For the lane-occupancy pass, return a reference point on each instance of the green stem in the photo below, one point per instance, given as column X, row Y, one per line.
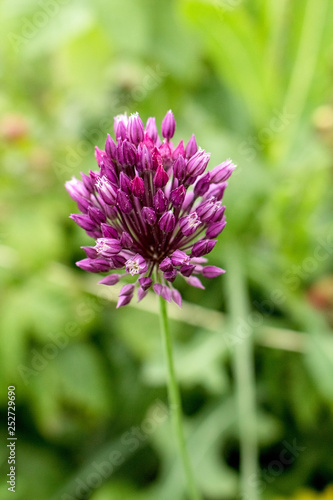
column 175, row 402
column 243, row 367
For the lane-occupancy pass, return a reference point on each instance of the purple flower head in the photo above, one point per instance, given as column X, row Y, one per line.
column 152, row 210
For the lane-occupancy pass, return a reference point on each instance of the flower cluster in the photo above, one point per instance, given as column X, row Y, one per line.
column 152, row 209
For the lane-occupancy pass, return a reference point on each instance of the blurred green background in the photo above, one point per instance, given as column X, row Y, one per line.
column 253, row 80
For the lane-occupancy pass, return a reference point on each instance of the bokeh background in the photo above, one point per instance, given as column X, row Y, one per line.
column 253, row 80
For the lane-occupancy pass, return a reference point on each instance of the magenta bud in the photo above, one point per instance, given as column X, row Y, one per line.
column 125, row 183
column 179, row 258
column 135, row 129
column 96, row 215
column 99, row 156
column 87, row 182
column 202, row 247
column 179, row 151
column 187, row 269
column 197, row 163
column 120, row 126
column 219, row 214
column 212, row 271
column 207, row 209
column 162, row 290
column 94, row 265
column 110, row 148
column 179, row 168
column 215, row 229
column 109, row 171
column 156, row 158
column 151, row 129
column 167, row 222
column 84, row 221
column 109, row 231
column 149, row 216
column 145, row 283
column 126, row 153
column 160, row 201
column 136, row 265
column 191, row 147
column 166, row 265
column 107, row 247
column 177, row 196
column 194, row 281
column 189, row 224
column 138, row 187
column 124, row 202
column 77, row 190
column 168, row 125
column 144, row 158
column 110, row 280
column 170, row 275
column 222, row 172
column 125, row 295
column 216, row 190
column 118, row 261
column 202, row 185
column 141, row 293
column 176, row 297
column 126, row 240
column 107, row 190
column 161, row 177
column 90, row 252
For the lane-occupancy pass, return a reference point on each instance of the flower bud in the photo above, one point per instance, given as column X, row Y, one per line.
column 145, row 283
column 123, row 201
column 151, row 129
column 161, row 177
column 110, row 148
column 166, row 265
column 179, row 168
column 168, row 125
column 222, row 172
column 202, row 185
column 160, row 202
column 138, row 187
column 191, row 147
column 94, row 265
column 149, row 216
column 135, row 129
column 179, row 258
column 167, row 222
column 144, row 158
column 110, row 280
column 126, row 240
column 177, row 196
column 107, row 190
column 215, row 229
column 212, row 271
column 125, row 183
column 189, row 224
column 202, row 247
column 197, row 163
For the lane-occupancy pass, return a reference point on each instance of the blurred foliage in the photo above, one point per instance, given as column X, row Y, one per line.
column 253, row 80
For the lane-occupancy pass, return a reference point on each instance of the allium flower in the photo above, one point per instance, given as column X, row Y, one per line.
column 151, row 208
